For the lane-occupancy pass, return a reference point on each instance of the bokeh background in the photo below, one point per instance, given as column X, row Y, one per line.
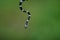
column 44, row 23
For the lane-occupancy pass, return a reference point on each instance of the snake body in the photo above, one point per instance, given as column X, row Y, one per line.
column 25, row 11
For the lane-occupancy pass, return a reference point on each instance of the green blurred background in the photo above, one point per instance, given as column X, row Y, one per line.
column 44, row 23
